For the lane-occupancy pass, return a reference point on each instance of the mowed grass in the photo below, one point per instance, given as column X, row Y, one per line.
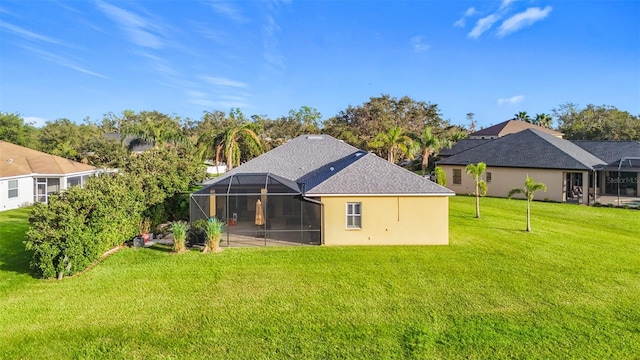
column 570, row 289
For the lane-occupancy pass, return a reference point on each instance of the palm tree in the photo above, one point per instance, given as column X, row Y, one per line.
column 543, row 120
column 393, row 141
column 476, row 170
column 230, row 143
column 530, row 187
column 523, row 116
column 156, row 128
column 429, row 144
column 227, row 143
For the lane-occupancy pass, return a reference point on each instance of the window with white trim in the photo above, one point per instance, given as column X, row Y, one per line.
column 354, row 215
column 457, row 176
column 13, row 189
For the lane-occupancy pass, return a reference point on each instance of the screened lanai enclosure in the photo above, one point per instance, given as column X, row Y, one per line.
column 258, row 210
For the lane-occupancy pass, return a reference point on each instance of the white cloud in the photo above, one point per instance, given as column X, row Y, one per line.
column 228, row 10
column 505, row 3
column 523, row 19
column 221, row 81
column 483, row 25
column 418, row 44
column 512, row 100
column 462, row 21
column 35, row 121
column 61, row 60
column 139, row 30
column 26, row 34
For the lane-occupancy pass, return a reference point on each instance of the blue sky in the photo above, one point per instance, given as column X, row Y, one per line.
column 75, row 59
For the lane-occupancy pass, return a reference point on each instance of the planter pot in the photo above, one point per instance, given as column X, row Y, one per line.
column 146, row 237
column 138, row 241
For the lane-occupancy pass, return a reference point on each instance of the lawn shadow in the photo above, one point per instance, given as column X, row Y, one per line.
column 13, row 255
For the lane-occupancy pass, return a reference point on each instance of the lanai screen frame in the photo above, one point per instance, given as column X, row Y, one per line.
column 236, row 193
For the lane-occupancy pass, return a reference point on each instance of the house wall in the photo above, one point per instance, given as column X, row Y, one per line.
column 388, row 220
column 505, row 179
column 25, row 193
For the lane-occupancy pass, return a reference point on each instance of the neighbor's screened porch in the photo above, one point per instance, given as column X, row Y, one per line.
column 258, row 210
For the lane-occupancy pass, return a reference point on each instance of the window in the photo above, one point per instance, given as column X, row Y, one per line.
column 457, row 176
column 13, row 189
column 354, row 215
column 74, row 181
column 488, row 177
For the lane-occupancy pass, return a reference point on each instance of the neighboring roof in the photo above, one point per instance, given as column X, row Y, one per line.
column 17, row 160
column 131, row 142
column 529, row 148
column 323, row 165
column 610, row 151
column 462, row 145
column 511, row 127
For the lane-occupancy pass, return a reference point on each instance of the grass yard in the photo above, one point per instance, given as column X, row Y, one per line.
column 570, row 289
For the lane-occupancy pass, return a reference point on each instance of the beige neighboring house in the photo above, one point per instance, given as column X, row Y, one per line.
column 28, row 176
column 573, row 171
column 510, row 127
column 316, row 189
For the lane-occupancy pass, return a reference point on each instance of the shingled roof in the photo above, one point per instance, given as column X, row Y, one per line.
column 16, row 160
column 462, row 145
column 530, row 148
column 322, row 166
column 511, row 127
column 610, row 151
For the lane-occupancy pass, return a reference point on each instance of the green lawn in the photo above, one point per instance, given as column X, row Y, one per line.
column 570, row 289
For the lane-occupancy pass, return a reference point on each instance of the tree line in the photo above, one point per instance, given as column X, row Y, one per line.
column 394, row 128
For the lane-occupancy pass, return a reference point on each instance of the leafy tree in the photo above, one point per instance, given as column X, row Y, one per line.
column 428, row 143
column 298, row 122
column 522, row 116
column 154, row 127
column 359, row 125
column 529, row 189
column 476, row 170
column 596, row 123
column 13, row 129
column 543, row 120
column 392, row 142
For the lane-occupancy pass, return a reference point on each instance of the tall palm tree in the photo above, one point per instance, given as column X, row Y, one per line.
column 543, row 120
column 476, row 170
column 232, row 137
column 530, row 187
column 393, row 141
column 428, row 143
column 523, row 116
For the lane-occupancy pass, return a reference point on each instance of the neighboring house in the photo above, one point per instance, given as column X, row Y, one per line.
column 510, row 127
column 28, row 176
column 317, row 189
column 573, row 171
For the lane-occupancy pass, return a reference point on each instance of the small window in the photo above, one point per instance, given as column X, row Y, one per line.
column 457, row 176
column 74, row 181
column 13, row 189
column 488, row 177
column 354, row 215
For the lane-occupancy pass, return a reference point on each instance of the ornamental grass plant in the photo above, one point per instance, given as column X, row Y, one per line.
column 179, row 230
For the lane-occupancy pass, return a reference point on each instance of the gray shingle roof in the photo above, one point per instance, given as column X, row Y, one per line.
column 324, row 165
column 610, row 151
column 462, row 145
column 529, row 148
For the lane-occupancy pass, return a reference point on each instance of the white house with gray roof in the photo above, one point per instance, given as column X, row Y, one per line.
column 318, row 189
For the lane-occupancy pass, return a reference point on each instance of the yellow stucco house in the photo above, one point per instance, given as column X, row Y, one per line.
column 316, row 189
column 574, row 171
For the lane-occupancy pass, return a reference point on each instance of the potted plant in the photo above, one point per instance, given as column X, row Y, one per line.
column 145, row 228
column 213, row 233
column 179, row 230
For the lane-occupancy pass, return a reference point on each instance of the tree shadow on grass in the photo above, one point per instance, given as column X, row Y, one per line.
column 13, row 255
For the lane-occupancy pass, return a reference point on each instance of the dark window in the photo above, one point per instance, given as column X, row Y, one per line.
column 457, row 176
